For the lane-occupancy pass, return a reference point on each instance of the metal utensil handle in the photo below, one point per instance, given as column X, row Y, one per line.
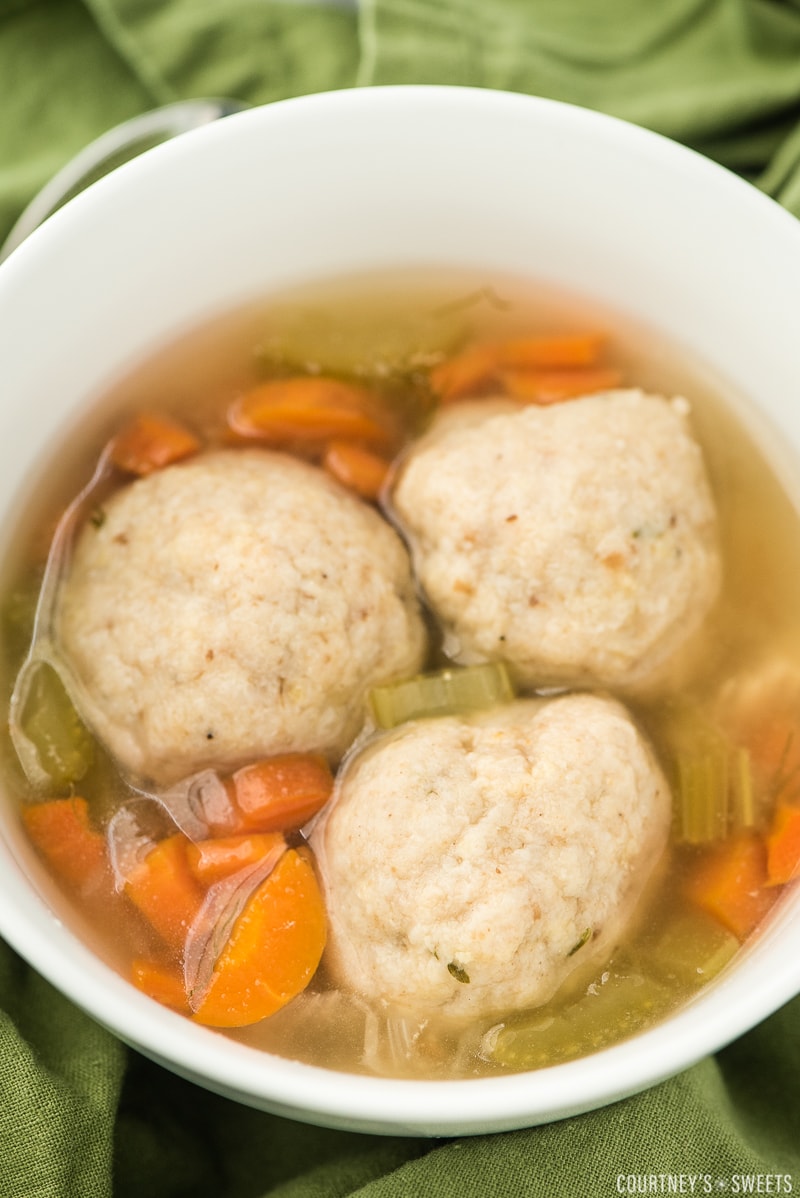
column 112, row 149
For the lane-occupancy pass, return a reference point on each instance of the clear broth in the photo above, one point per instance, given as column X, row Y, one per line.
column 756, row 620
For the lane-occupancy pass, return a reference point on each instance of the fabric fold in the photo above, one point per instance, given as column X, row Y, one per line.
column 60, row 1076
column 709, row 73
column 253, row 50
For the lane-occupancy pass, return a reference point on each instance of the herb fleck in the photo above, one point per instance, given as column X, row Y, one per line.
column 458, row 972
column 584, row 938
column 97, row 517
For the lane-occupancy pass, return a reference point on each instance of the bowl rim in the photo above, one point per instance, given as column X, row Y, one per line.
column 307, row 1092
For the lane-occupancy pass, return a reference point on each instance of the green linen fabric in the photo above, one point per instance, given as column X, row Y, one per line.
column 83, row 1116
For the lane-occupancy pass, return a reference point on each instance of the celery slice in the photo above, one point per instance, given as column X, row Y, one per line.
column 635, row 991
column 743, row 799
column 622, row 1003
column 690, row 949
column 18, row 617
column 359, row 339
column 48, row 721
column 712, row 777
column 446, row 692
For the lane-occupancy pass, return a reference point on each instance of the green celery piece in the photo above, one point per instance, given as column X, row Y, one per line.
column 534, row 1044
column 64, row 748
column 359, row 340
column 691, row 949
column 745, row 810
column 446, row 692
column 18, row 613
column 623, row 1002
column 712, row 778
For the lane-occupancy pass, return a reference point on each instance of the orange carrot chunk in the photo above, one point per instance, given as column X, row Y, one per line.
column 165, row 890
column 149, row 443
column 564, row 350
column 281, row 793
column 211, row 861
column 473, row 369
column 311, row 410
column 730, row 883
column 783, row 846
column 466, row 373
column 164, row 985
column 61, row 831
column 273, row 950
column 555, row 386
column 356, row 468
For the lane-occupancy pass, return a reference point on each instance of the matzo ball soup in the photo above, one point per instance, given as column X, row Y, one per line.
column 400, row 678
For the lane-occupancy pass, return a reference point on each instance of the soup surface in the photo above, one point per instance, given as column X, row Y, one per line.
column 188, row 903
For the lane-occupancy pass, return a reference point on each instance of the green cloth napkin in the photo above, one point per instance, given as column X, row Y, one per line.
column 81, row 1116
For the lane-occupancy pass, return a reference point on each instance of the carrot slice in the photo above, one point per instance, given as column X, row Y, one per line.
column 212, row 860
column 466, row 373
column 356, row 468
column 730, row 883
column 273, row 950
column 554, row 386
column 783, row 846
column 281, row 793
column 564, row 350
column 150, row 442
column 164, row 985
column 165, row 890
column 61, row 831
column 474, row 368
column 311, row 410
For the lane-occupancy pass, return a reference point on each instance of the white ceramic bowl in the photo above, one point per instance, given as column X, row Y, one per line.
column 326, row 185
